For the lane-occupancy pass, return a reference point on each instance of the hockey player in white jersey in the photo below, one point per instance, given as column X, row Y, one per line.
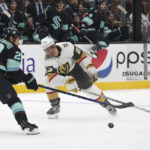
column 68, row 65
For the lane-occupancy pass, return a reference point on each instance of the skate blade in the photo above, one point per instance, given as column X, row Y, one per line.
column 33, row 132
column 54, row 116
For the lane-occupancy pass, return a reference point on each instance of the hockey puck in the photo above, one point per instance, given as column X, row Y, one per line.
column 110, row 125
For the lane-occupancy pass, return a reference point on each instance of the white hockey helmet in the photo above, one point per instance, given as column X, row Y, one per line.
column 47, row 42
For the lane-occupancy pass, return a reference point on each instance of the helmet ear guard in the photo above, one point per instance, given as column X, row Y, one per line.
column 47, row 42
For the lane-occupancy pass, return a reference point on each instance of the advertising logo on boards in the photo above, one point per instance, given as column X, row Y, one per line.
column 103, row 63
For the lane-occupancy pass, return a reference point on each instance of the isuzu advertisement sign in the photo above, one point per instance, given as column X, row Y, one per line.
column 118, row 62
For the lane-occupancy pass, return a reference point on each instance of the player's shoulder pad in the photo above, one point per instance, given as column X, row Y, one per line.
column 9, row 45
column 67, row 49
column 51, row 62
column 77, row 53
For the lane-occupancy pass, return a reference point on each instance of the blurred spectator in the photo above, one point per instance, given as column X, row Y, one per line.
column 129, row 7
column 89, row 15
column 56, row 20
column 115, row 10
column 29, row 30
column 83, row 10
column 101, row 11
column 145, row 7
column 36, row 9
column 91, row 24
column 71, row 7
column 113, row 30
column 4, row 20
column 26, row 5
column 17, row 17
column 89, row 3
column 73, row 35
column 20, row 5
column 144, row 20
column 49, row 2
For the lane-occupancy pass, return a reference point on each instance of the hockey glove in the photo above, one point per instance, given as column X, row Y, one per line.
column 30, row 82
column 71, row 84
column 92, row 72
column 83, row 33
column 15, row 77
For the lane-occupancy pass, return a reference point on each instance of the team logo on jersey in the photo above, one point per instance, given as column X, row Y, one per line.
column 64, row 69
column 65, row 45
column 103, row 63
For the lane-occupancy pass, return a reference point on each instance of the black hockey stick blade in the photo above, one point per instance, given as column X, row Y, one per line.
column 124, row 105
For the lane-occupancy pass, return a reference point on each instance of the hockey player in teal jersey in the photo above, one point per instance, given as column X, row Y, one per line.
column 10, row 73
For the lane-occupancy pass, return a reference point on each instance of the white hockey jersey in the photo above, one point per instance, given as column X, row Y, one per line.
column 58, row 67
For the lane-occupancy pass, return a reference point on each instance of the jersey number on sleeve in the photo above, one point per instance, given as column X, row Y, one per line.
column 17, row 56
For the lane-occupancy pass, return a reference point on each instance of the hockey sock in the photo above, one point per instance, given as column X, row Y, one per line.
column 53, row 98
column 95, row 93
column 19, row 112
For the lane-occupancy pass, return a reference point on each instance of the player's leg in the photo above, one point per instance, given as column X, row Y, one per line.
column 93, row 91
column 85, row 84
column 55, row 104
column 9, row 96
column 53, row 97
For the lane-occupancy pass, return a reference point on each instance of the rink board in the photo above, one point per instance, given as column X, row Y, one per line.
column 120, row 66
column 104, row 86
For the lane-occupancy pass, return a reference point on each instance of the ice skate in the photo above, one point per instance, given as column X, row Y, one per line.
column 53, row 112
column 28, row 128
column 111, row 109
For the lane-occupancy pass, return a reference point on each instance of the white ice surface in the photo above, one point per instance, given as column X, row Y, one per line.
column 82, row 125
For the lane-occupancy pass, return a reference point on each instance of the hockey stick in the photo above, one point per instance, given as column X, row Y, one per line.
column 123, row 105
column 129, row 104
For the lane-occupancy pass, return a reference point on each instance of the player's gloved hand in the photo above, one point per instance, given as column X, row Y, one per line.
column 71, row 84
column 91, row 70
column 30, row 82
column 83, row 33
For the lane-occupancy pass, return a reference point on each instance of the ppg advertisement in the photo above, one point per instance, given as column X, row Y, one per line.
column 118, row 62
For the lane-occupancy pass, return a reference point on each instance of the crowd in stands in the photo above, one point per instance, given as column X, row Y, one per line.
column 102, row 21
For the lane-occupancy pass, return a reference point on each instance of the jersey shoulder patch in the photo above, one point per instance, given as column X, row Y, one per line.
column 77, row 53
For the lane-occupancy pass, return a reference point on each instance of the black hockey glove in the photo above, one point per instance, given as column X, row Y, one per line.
column 83, row 33
column 15, row 77
column 30, row 82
